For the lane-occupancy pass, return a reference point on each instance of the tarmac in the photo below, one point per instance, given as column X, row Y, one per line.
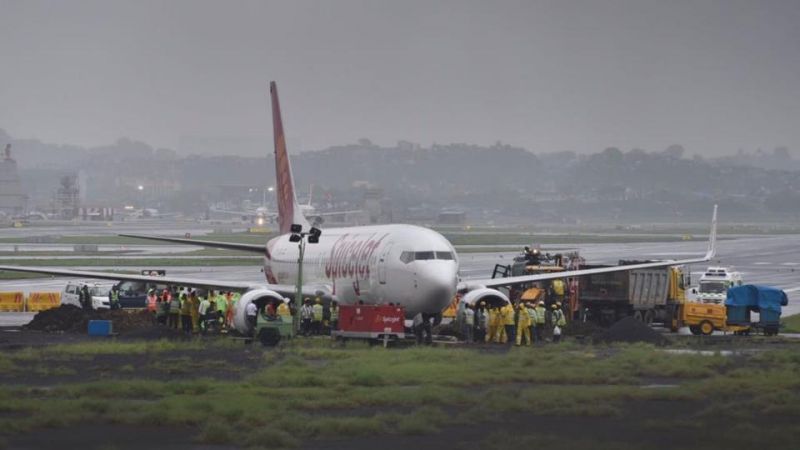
column 769, row 260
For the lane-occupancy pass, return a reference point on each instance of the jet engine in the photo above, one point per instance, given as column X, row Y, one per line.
column 258, row 296
column 492, row 297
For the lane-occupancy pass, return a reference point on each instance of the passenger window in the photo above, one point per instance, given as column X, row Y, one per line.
column 424, row 255
column 444, row 255
column 407, row 257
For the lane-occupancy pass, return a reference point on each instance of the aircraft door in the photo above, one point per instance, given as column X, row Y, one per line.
column 382, row 263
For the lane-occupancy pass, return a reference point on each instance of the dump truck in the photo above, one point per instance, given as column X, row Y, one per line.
column 649, row 295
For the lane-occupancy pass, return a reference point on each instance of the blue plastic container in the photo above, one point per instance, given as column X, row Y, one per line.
column 769, row 317
column 737, row 315
column 100, row 328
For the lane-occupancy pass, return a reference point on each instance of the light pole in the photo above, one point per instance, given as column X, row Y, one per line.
column 299, row 236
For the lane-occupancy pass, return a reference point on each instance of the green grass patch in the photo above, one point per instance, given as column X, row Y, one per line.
column 310, row 389
column 791, row 324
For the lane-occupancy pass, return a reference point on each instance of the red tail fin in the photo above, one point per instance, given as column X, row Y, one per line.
column 288, row 211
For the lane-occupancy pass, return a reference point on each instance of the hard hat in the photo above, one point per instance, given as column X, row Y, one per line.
column 536, row 251
column 554, row 306
column 558, row 304
column 286, row 300
column 541, row 303
column 483, row 303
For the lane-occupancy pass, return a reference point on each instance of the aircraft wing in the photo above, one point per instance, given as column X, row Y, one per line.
column 511, row 281
column 335, row 213
column 252, row 248
column 244, row 213
column 283, row 289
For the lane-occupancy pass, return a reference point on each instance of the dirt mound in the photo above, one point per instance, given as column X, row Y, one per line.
column 631, row 330
column 70, row 318
column 588, row 330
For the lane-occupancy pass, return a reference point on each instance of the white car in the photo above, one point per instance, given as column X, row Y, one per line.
column 99, row 292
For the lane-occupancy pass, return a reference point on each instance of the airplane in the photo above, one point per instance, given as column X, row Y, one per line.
column 411, row 266
column 262, row 215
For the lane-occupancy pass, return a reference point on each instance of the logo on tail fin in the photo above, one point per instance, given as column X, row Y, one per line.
column 288, row 210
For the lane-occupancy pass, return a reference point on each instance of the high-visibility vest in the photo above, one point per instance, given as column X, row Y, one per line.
column 508, row 315
column 532, row 314
column 175, row 306
column 558, row 318
column 524, row 320
column 483, row 319
column 283, row 310
column 558, row 287
column 469, row 317
column 317, row 308
column 540, row 315
column 334, row 313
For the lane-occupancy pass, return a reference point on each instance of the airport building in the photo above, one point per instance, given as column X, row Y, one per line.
column 12, row 199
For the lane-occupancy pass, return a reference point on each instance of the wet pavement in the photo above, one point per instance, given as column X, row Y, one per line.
column 768, row 260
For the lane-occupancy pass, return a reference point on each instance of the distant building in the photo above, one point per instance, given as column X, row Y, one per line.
column 12, row 199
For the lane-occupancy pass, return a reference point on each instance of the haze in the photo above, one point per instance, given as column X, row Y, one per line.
column 713, row 76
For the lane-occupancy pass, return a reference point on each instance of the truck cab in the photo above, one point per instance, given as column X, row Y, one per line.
column 715, row 282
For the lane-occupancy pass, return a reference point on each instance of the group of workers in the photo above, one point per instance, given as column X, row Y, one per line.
column 525, row 323
column 183, row 308
column 315, row 317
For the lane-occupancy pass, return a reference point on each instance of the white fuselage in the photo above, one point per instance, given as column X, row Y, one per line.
column 403, row 264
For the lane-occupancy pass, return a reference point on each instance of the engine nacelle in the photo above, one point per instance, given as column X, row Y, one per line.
column 492, row 297
column 258, row 296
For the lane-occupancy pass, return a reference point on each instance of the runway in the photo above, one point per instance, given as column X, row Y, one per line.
column 768, row 260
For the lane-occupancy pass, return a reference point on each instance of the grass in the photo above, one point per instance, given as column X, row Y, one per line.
column 791, row 324
column 307, row 390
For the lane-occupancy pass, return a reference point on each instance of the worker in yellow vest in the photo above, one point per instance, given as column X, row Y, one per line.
column 195, row 312
column 559, row 289
column 334, row 324
column 559, row 322
column 500, row 329
column 491, row 324
column 523, row 325
column 538, row 322
column 316, row 319
column 284, row 312
column 509, row 324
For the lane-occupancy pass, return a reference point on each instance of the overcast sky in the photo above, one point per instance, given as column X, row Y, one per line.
column 714, row 76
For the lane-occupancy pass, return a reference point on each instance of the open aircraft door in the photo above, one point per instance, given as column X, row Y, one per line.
column 382, row 262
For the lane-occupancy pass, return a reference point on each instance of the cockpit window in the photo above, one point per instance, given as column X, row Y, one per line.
column 407, row 257
column 424, row 255
column 444, row 255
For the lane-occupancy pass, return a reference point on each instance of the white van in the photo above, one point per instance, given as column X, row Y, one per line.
column 99, row 292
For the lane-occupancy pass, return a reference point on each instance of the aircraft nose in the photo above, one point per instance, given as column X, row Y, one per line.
column 439, row 286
